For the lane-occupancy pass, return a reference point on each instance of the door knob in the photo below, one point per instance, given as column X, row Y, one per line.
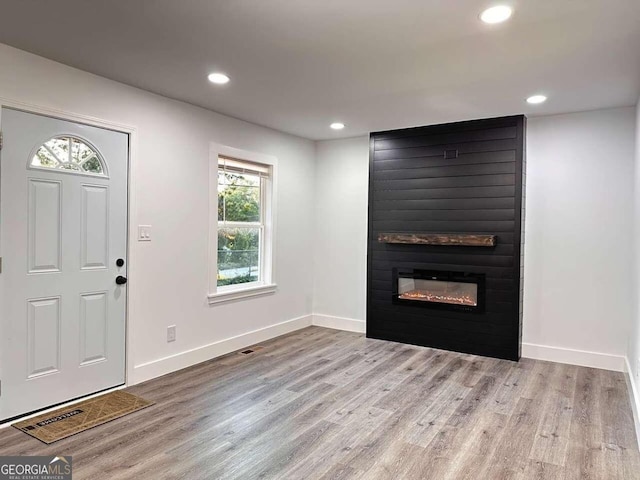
column 120, row 280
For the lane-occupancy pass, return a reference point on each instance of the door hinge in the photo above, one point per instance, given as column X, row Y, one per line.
column 0, row 140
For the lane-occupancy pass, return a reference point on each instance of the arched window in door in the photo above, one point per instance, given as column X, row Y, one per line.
column 70, row 154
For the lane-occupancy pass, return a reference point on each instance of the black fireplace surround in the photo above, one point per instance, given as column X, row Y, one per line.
column 430, row 188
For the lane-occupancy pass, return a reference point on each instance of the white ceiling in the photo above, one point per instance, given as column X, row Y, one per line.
column 298, row 65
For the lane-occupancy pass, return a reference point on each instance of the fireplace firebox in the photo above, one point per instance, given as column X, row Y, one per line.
column 443, row 290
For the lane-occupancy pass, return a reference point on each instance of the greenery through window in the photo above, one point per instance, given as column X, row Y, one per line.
column 70, row 154
column 240, row 221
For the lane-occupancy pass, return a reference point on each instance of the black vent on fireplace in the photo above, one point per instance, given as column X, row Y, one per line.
column 443, row 182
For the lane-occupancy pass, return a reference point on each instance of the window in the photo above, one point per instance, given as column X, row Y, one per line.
column 243, row 226
column 69, row 154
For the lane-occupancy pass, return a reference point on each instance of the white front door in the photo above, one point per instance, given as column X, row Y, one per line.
column 63, row 242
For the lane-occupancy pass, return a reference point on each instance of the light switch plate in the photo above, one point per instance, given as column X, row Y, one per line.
column 144, row 233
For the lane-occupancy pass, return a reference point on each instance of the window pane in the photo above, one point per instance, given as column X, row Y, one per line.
column 43, row 158
column 60, row 148
column 233, row 178
column 238, row 197
column 70, row 166
column 92, row 165
column 68, row 153
column 238, row 255
column 80, row 152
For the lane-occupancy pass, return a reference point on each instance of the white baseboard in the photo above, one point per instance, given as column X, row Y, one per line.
column 156, row 368
column 529, row 350
column 574, row 357
column 634, row 398
column 339, row 323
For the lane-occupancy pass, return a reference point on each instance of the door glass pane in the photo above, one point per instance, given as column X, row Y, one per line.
column 44, row 158
column 92, row 165
column 70, row 154
column 60, row 148
column 238, row 255
column 70, row 166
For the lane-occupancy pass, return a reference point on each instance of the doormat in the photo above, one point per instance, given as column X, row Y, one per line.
column 64, row 422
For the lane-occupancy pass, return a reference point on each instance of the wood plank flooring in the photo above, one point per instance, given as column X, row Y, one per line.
column 325, row 404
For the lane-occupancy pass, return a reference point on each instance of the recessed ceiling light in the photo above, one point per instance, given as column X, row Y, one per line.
column 218, row 78
column 535, row 99
column 337, row 126
column 496, row 14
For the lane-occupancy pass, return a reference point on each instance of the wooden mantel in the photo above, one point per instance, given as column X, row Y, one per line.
column 454, row 239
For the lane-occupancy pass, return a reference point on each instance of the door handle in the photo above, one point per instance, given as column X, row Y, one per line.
column 120, row 280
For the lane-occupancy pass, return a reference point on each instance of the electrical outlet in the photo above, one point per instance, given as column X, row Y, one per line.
column 171, row 333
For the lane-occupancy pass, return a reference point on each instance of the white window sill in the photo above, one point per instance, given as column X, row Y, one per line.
column 240, row 293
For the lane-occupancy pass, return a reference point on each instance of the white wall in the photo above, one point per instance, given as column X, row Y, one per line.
column 170, row 191
column 578, row 231
column 578, row 234
column 633, row 352
column 340, row 253
column 634, row 337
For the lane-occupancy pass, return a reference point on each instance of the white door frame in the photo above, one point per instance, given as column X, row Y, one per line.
column 133, row 139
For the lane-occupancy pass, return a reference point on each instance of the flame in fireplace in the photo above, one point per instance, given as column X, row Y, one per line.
column 426, row 296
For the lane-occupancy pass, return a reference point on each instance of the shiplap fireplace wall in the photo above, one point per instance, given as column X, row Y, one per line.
column 446, row 216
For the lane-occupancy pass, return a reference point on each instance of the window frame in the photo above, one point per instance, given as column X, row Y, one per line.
column 266, row 285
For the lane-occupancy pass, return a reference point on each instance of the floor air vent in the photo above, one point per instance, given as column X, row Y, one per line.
column 251, row 350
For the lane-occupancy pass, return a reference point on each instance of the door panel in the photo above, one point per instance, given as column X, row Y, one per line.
column 63, row 225
column 93, row 327
column 44, row 226
column 43, row 341
column 95, row 227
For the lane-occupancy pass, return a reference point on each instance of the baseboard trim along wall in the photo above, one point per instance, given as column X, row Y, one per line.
column 156, row 368
column 162, row 366
column 529, row 350
column 582, row 358
column 339, row 323
column 634, row 398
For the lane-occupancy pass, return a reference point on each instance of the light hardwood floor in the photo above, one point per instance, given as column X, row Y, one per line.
column 325, row 404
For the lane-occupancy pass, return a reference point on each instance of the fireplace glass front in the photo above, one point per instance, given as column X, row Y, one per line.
column 439, row 291
column 446, row 290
